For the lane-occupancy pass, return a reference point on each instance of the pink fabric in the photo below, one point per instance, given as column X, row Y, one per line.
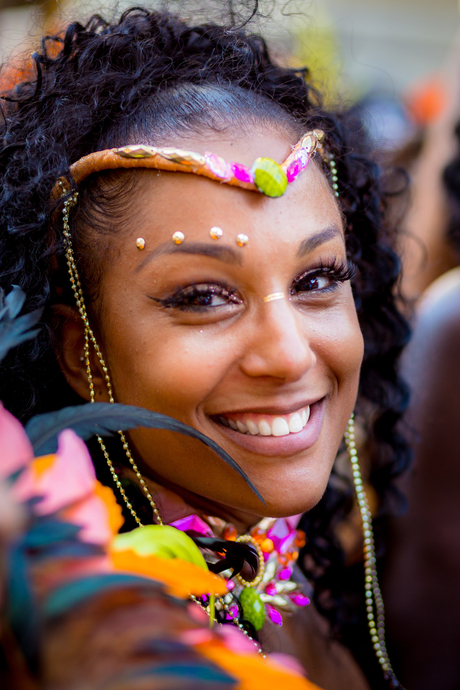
column 15, row 448
column 235, row 640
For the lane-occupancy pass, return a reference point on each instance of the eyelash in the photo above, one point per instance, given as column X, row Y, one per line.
column 337, row 271
column 193, row 292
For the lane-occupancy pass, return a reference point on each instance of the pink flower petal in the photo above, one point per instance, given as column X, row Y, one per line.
column 71, row 477
column 25, row 487
column 15, row 448
column 91, row 514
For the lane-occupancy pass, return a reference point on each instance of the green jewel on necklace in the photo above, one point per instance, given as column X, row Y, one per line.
column 253, row 607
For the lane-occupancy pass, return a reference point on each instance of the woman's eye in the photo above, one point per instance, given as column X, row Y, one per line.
column 201, row 297
column 324, row 279
column 314, row 283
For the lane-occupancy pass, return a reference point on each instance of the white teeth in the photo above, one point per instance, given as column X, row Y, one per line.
column 280, row 427
column 264, row 428
column 305, row 415
column 274, row 426
column 295, row 423
column 252, row 427
column 241, row 427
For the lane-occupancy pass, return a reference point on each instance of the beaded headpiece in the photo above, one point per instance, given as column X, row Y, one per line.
column 265, row 175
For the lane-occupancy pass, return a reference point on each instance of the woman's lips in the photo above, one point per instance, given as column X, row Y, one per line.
column 275, row 434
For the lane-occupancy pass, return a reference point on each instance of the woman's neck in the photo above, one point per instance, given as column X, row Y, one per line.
column 175, row 503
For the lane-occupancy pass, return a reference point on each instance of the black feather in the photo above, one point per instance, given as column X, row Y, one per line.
column 106, row 419
column 236, row 554
column 15, row 330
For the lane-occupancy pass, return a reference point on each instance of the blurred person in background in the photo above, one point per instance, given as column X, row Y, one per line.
column 423, row 570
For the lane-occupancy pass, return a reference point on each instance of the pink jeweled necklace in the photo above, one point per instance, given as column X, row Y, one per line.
column 272, row 591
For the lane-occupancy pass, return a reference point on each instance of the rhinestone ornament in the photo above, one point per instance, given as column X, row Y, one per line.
column 253, row 607
column 140, row 243
column 269, row 177
column 178, row 237
column 242, row 240
column 218, row 166
column 216, row 233
column 242, row 173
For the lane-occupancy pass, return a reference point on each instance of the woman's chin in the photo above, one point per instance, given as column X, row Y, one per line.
column 274, row 507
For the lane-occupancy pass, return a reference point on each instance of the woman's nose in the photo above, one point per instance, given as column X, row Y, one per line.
column 279, row 346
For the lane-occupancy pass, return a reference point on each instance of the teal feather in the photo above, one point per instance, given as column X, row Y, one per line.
column 106, row 419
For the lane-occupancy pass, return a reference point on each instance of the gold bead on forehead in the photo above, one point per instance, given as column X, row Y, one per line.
column 242, row 240
column 140, row 243
column 216, row 233
column 178, row 237
column 274, row 296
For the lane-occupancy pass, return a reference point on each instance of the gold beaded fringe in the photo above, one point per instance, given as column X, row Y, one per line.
column 90, row 338
column 374, row 601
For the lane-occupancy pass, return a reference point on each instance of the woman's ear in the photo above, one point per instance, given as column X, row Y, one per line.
column 70, row 334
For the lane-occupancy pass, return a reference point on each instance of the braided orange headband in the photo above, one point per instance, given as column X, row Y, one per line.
column 265, row 176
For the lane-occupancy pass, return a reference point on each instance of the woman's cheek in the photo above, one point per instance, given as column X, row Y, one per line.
column 338, row 341
column 172, row 373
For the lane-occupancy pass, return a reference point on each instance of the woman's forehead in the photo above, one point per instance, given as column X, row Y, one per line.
column 168, row 206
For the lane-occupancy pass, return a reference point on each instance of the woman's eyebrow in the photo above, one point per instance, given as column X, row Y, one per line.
column 222, row 253
column 311, row 243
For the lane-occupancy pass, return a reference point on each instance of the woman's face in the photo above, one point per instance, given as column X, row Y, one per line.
column 187, row 330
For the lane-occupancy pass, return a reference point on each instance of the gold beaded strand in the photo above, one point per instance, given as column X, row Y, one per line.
column 374, row 602
column 90, row 338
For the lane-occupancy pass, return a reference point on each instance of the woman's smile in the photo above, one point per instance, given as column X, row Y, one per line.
column 275, row 434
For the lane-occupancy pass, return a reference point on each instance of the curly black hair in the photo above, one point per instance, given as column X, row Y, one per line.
column 143, row 76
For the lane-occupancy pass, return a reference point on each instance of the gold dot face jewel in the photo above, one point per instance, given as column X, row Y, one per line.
column 178, row 237
column 216, row 233
column 140, row 243
column 274, row 296
column 242, row 240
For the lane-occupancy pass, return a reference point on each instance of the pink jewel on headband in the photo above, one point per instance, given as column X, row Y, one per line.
column 299, row 163
column 293, row 170
column 218, row 166
column 242, row 173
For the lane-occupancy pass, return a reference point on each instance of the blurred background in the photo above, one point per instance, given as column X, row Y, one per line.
column 382, row 50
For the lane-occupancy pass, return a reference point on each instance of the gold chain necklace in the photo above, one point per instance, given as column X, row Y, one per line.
column 374, row 601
